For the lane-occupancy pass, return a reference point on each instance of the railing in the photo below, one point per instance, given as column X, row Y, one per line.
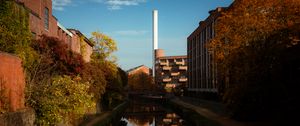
column 166, row 68
column 170, row 85
column 175, row 74
column 179, row 63
column 167, row 79
column 163, row 63
column 182, row 79
column 182, row 67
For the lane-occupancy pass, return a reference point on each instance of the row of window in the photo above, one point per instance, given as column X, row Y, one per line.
column 201, row 72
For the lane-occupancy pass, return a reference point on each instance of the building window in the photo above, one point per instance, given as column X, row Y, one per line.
column 46, row 20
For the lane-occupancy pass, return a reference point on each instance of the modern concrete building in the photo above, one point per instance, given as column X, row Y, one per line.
column 171, row 71
column 202, row 70
column 42, row 22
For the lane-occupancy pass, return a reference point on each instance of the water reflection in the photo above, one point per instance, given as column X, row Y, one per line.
column 145, row 113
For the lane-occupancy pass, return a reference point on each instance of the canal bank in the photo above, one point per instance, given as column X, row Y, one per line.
column 205, row 114
column 107, row 117
column 190, row 112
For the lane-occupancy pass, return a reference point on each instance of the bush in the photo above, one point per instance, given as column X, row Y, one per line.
column 55, row 54
column 61, row 100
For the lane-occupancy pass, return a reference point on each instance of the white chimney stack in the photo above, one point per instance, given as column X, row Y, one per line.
column 155, row 37
column 155, row 29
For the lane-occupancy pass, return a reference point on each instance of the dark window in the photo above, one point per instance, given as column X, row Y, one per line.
column 46, row 20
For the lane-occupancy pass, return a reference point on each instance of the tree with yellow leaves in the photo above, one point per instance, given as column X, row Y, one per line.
column 104, row 45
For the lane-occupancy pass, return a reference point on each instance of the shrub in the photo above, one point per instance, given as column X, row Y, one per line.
column 61, row 100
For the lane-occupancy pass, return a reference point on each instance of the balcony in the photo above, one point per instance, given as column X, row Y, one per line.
column 179, row 63
column 175, row 73
column 182, row 67
column 170, row 85
column 167, row 79
column 166, row 68
column 182, row 79
column 163, row 63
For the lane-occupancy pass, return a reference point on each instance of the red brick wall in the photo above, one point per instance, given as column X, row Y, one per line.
column 142, row 69
column 88, row 53
column 37, row 16
column 75, row 45
column 11, row 73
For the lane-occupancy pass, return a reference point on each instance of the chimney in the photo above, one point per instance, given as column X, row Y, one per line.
column 155, row 37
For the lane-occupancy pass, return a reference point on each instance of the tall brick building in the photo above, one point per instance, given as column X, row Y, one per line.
column 202, row 70
column 42, row 22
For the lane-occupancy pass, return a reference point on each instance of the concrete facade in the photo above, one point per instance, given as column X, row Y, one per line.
column 202, row 70
column 23, row 117
column 171, row 71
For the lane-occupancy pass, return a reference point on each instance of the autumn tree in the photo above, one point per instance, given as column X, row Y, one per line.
column 251, row 38
column 104, row 45
column 105, row 61
column 140, row 82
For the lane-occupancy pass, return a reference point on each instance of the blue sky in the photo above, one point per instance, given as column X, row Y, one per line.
column 129, row 23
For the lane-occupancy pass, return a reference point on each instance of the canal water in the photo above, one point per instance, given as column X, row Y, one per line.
column 149, row 112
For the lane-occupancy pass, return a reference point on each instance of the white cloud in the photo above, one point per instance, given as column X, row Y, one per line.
column 118, row 4
column 60, row 4
column 131, row 32
column 114, row 7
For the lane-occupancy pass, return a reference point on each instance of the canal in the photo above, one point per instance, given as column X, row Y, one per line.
column 149, row 112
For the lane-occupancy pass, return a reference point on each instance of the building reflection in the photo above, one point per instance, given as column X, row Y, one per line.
column 150, row 114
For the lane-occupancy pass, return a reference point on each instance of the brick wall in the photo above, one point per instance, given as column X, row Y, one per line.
column 75, row 45
column 88, row 51
column 12, row 76
column 37, row 16
column 140, row 69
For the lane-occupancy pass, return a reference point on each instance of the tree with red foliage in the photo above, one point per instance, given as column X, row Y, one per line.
column 56, row 55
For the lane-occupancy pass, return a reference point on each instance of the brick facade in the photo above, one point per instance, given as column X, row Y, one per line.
column 81, row 45
column 37, row 17
column 40, row 11
column 12, row 81
column 139, row 69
